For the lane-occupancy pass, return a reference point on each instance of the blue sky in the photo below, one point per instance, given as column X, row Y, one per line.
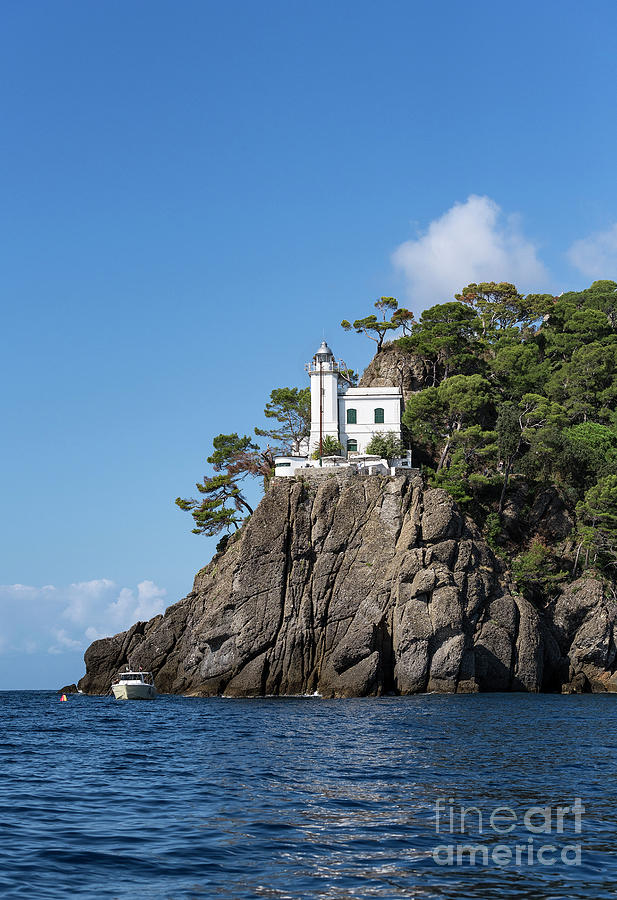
column 194, row 193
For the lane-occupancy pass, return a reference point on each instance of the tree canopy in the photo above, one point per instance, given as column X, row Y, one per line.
column 291, row 407
column 223, row 504
column 329, row 447
column 525, row 387
column 377, row 327
column 386, row 444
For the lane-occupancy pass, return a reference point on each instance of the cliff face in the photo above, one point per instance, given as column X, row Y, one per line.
column 357, row 585
column 393, row 366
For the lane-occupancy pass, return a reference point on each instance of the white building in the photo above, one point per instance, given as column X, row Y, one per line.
column 350, row 415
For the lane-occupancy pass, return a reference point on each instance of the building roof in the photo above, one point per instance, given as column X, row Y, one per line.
column 356, row 393
column 324, row 350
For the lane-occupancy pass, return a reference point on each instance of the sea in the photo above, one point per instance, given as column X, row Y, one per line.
column 477, row 796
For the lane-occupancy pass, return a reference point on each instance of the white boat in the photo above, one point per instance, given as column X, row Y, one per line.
column 133, row 686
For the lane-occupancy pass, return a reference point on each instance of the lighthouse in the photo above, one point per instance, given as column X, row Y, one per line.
column 347, row 414
column 324, row 376
column 350, row 415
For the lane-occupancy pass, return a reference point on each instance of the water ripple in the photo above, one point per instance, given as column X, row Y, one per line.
column 297, row 798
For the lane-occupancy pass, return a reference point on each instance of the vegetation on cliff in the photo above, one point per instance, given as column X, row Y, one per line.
column 377, row 328
column 519, row 395
column 223, row 504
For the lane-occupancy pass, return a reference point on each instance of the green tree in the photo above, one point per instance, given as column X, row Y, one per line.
column 329, row 447
column 538, row 307
column 597, row 523
column 404, row 319
column 424, row 417
column 349, row 376
column 603, row 295
column 377, row 328
column 543, row 422
column 590, row 452
column 517, row 367
column 462, row 397
column 227, row 449
column 436, row 415
column 241, row 457
column 454, row 479
column 386, row 444
column 291, row 407
column 535, row 423
column 445, row 337
column 223, row 505
column 587, row 384
column 509, row 442
column 537, row 570
column 478, row 445
column 499, row 306
column 570, row 326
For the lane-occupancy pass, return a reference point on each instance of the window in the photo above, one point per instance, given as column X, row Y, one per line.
column 352, row 446
column 282, row 465
column 351, row 417
column 379, row 416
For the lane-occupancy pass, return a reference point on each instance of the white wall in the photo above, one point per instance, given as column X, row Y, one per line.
column 329, row 380
column 337, row 398
column 288, row 466
column 365, row 401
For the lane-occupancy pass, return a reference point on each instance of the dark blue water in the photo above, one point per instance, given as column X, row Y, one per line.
column 302, row 798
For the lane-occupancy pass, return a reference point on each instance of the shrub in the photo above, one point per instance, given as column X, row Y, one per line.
column 492, row 530
column 454, row 479
column 536, row 570
column 329, row 447
column 386, row 444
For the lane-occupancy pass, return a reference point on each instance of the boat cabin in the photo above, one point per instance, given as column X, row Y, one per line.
column 133, row 677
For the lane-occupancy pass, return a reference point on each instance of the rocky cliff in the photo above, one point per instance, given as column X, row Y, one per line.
column 395, row 366
column 360, row 585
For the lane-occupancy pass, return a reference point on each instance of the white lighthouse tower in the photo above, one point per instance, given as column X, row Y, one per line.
column 349, row 415
column 324, row 375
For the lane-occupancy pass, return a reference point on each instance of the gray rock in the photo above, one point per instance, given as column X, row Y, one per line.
column 549, row 517
column 393, row 366
column 351, row 585
column 583, row 622
column 440, row 517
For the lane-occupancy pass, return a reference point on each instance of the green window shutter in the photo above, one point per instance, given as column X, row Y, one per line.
column 352, row 446
column 351, row 417
column 379, row 416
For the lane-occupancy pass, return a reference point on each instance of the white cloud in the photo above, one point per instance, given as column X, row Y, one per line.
column 63, row 641
column 103, row 609
column 473, row 241
column 67, row 619
column 596, row 255
column 84, row 597
column 142, row 606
